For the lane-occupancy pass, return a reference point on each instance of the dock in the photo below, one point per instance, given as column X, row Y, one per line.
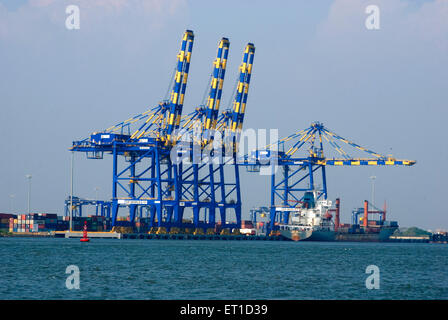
column 201, row 237
column 409, row 239
column 93, row 235
column 31, row 234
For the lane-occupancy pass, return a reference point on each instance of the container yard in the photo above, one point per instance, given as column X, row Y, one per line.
column 98, row 227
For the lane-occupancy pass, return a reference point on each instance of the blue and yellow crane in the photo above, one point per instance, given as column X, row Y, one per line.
column 174, row 114
column 295, row 174
column 215, row 94
column 210, row 180
column 165, row 162
column 145, row 149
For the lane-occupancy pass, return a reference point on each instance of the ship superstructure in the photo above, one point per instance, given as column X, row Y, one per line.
column 310, row 220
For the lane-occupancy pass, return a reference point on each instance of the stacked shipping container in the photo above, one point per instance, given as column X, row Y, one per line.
column 46, row 222
column 247, row 227
column 34, row 222
column 94, row 223
column 5, row 221
column 261, row 227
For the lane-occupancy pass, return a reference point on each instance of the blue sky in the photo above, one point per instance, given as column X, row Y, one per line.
column 315, row 61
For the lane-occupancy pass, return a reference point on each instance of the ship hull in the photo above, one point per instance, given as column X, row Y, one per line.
column 322, row 236
column 308, row 235
column 381, row 236
column 300, row 235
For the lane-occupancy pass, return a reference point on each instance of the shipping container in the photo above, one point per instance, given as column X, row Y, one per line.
column 7, row 215
column 247, row 231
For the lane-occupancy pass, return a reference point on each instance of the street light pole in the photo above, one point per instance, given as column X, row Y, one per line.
column 11, row 197
column 96, row 200
column 71, row 191
column 373, row 188
column 28, row 176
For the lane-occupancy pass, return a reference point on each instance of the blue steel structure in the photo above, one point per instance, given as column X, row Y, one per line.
column 254, row 212
column 196, row 181
column 293, row 176
column 166, row 163
column 159, row 157
column 209, row 180
column 381, row 214
column 102, row 208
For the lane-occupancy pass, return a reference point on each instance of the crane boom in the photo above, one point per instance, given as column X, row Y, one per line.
column 316, row 151
column 214, row 98
column 239, row 103
column 180, row 84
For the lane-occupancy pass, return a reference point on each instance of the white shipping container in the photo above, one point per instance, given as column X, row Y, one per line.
column 247, row 231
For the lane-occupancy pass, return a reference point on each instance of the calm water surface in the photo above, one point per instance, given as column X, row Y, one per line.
column 33, row 268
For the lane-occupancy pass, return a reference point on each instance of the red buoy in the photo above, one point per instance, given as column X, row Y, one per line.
column 84, row 234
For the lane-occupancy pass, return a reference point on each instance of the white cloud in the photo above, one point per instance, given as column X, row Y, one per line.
column 430, row 23
column 48, row 16
column 41, row 3
column 402, row 22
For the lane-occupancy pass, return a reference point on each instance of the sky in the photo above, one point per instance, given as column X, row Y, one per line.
column 384, row 89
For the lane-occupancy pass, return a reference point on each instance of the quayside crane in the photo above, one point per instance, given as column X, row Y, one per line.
column 145, row 149
column 195, row 186
column 210, row 180
column 164, row 162
column 299, row 172
column 146, row 178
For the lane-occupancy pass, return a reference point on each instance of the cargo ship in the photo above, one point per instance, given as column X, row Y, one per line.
column 311, row 220
column 364, row 228
column 377, row 233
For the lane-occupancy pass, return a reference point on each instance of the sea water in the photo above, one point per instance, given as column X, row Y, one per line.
column 39, row 268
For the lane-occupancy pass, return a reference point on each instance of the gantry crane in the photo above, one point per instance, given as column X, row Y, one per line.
column 202, row 181
column 151, row 178
column 102, row 208
column 298, row 174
